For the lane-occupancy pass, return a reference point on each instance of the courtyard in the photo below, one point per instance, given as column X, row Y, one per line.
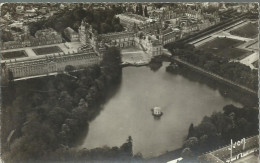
column 47, row 50
column 134, row 56
column 249, row 30
column 224, row 47
column 13, row 54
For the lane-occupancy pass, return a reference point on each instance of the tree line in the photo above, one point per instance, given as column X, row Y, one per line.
column 218, row 129
column 234, row 71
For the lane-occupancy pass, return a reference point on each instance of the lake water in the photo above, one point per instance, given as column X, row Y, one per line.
column 128, row 112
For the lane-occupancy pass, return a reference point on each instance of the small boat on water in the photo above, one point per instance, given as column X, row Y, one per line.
column 157, row 111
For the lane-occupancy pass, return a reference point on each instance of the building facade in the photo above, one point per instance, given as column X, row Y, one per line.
column 146, row 42
column 170, row 35
column 51, row 64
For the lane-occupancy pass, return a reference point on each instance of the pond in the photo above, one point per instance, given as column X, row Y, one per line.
column 128, row 112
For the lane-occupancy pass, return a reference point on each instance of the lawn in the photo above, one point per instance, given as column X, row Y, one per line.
column 47, row 50
column 253, row 46
column 249, row 30
column 255, row 64
column 224, row 47
column 13, row 54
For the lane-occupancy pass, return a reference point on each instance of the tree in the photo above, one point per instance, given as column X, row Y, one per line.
column 127, row 148
column 16, row 29
column 81, row 114
column 203, row 140
column 137, row 9
column 105, row 28
column 206, row 128
column 57, row 117
column 158, row 5
column 187, row 153
column 69, row 68
column 6, row 36
column 10, row 75
column 146, row 12
column 191, row 130
column 65, row 100
column 191, row 143
column 140, row 9
column 112, row 57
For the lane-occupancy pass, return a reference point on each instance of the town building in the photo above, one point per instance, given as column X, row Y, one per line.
column 7, row 16
column 42, row 37
column 193, row 13
column 19, row 9
column 30, row 13
column 194, row 21
column 71, row 34
column 43, row 10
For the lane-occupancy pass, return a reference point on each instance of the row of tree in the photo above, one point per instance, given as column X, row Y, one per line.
column 140, row 11
column 234, row 71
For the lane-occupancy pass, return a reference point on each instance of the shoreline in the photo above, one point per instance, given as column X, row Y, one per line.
column 219, row 84
column 165, row 157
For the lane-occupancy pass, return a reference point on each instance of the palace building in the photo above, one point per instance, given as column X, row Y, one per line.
column 170, row 35
column 148, row 43
column 50, row 63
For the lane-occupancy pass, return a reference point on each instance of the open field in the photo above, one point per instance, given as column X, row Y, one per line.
column 13, row 54
column 249, row 30
column 47, row 50
column 224, row 47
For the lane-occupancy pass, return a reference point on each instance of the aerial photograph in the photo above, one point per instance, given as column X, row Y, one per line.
column 129, row 82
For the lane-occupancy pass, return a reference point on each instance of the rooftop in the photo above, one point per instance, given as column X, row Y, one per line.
column 70, row 30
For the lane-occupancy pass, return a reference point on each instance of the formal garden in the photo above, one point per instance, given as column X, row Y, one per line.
column 47, row 50
column 13, row 54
